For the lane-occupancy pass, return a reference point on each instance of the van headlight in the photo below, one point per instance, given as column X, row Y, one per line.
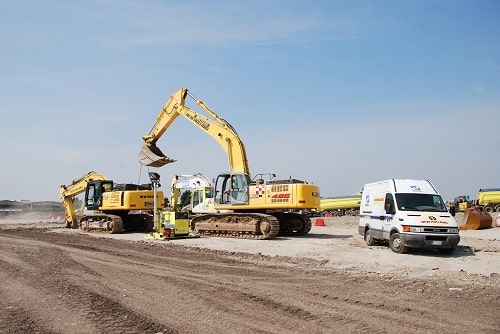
column 453, row 230
column 412, row 229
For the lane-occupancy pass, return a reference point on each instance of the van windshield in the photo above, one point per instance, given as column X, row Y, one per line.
column 420, row 202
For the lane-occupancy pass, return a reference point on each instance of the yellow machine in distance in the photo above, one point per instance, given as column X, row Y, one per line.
column 488, row 199
column 340, row 205
column 110, row 207
column 260, row 209
column 174, row 220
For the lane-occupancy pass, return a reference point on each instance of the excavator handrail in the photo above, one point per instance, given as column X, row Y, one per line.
column 213, row 125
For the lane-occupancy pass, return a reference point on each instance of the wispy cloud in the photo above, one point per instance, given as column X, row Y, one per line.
column 479, row 88
column 206, row 25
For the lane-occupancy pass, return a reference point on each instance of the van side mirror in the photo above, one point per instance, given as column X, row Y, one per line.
column 452, row 210
column 389, row 207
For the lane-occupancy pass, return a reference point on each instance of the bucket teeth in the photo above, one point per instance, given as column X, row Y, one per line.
column 152, row 156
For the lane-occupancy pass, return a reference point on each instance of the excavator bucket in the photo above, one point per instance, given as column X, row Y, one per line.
column 475, row 218
column 152, row 156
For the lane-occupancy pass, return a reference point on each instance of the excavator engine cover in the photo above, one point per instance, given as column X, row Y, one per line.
column 475, row 218
column 152, row 156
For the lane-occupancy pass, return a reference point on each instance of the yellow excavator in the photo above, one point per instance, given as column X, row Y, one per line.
column 110, row 207
column 258, row 208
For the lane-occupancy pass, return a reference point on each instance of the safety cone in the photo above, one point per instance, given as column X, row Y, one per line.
column 319, row 222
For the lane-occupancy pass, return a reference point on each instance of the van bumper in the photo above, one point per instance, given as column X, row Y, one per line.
column 430, row 240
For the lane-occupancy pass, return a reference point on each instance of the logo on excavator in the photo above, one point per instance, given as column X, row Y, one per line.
column 277, row 198
column 201, row 122
column 281, row 196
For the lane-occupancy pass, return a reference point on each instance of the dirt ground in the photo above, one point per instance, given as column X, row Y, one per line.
column 58, row 280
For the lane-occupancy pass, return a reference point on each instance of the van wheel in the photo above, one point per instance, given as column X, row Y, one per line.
column 370, row 241
column 396, row 244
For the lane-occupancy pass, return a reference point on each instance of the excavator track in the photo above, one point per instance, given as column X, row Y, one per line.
column 236, row 225
column 293, row 224
column 102, row 223
column 138, row 223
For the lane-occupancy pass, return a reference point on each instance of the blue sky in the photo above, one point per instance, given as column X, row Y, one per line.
column 338, row 93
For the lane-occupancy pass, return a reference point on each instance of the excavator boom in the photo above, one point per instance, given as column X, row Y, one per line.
column 77, row 187
column 216, row 127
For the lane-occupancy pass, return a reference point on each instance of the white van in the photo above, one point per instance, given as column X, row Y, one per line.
column 407, row 213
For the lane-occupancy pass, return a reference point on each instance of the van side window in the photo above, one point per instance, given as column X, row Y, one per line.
column 389, row 204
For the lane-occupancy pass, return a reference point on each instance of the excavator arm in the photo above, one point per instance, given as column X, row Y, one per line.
column 77, row 187
column 213, row 125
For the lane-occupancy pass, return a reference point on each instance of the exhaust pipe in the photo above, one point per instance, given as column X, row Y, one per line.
column 152, row 156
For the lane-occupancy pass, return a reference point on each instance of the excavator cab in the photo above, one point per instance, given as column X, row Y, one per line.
column 93, row 193
column 232, row 189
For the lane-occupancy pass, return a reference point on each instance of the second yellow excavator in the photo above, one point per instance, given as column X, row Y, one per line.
column 110, row 207
column 258, row 208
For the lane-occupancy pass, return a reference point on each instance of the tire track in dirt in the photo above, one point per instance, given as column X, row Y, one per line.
column 101, row 313
column 165, row 287
column 16, row 316
column 390, row 312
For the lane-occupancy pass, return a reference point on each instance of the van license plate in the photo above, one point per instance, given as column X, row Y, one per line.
column 437, row 242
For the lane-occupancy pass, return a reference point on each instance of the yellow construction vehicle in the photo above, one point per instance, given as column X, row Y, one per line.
column 477, row 212
column 202, row 198
column 488, row 199
column 461, row 203
column 476, row 218
column 340, row 205
column 173, row 220
column 110, row 207
column 259, row 209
